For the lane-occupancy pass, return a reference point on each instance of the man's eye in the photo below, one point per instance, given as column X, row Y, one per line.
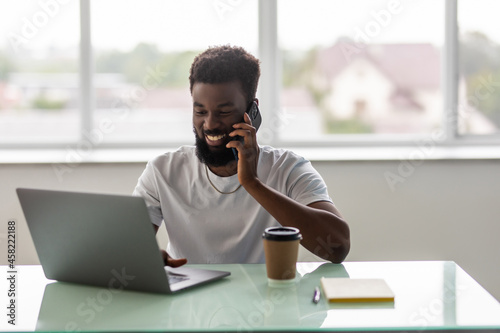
column 199, row 112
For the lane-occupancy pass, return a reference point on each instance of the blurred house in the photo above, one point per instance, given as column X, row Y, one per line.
column 395, row 88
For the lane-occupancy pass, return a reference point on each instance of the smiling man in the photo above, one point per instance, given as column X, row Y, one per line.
column 216, row 206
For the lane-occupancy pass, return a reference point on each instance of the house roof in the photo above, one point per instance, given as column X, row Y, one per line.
column 296, row 97
column 408, row 66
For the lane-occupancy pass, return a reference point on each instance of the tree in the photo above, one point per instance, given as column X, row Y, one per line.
column 6, row 66
column 136, row 64
column 478, row 54
column 480, row 65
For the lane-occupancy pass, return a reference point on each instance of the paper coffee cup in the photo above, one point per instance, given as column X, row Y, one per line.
column 281, row 248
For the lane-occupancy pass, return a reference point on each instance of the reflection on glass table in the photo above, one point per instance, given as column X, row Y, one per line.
column 429, row 296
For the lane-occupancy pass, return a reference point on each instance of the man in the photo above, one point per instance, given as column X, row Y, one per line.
column 215, row 206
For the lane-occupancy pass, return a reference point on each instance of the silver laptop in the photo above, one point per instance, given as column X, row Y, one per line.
column 102, row 240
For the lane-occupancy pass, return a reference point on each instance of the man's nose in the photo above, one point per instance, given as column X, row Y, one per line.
column 212, row 121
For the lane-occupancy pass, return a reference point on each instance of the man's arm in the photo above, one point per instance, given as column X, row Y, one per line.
column 324, row 231
column 146, row 189
column 167, row 259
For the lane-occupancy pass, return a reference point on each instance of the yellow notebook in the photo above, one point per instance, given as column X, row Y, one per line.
column 356, row 290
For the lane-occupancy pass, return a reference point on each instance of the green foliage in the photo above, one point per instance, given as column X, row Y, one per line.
column 298, row 67
column 177, row 66
column 6, row 66
column 44, row 103
column 47, row 65
column 136, row 64
column 480, row 64
column 478, row 54
column 348, row 126
column 485, row 88
column 111, row 62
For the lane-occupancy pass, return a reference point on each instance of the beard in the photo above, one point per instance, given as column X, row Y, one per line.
column 217, row 157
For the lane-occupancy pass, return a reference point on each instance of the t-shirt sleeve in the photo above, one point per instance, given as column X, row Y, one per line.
column 147, row 189
column 305, row 184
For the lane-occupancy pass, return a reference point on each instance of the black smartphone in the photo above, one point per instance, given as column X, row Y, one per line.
column 254, row 114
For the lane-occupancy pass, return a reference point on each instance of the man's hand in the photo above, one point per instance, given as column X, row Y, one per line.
column 248, row 150
column 169, row 261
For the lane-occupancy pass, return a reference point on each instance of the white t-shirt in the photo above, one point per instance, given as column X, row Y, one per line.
column 205, row 226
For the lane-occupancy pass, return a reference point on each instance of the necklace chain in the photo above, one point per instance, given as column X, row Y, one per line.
column 215, row 188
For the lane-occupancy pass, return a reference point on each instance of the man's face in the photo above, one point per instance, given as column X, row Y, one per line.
column 216, row 107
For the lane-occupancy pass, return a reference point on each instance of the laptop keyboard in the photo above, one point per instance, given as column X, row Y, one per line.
column 176, row 278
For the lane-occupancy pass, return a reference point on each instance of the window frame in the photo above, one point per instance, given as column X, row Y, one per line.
column 449, row 81
column 269, row 92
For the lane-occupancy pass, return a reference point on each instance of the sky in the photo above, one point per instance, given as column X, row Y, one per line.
column 196, row 24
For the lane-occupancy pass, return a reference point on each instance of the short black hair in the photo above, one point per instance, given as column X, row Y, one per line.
column 222, row 64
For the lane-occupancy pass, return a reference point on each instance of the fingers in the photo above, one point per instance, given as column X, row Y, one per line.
column 246, row 131
column 169, row 261
column 176, row 262
column 247, row 119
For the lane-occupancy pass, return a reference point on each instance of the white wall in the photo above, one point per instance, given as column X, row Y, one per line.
column 445, row 210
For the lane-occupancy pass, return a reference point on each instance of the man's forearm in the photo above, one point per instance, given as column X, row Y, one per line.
column 324, row 231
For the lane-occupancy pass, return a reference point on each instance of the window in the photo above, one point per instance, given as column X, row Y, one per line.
column 142, row 64
column 39, row 72
column 139, row 59
column 115, row 73
column 363, row 67
column 479, row 60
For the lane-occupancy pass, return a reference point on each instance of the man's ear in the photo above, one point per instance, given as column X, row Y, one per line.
column 256, row 100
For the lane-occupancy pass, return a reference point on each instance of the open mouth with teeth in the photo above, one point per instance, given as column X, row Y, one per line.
column 216, row 140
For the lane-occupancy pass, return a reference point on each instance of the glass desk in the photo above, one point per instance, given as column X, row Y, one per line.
column 430, row 296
